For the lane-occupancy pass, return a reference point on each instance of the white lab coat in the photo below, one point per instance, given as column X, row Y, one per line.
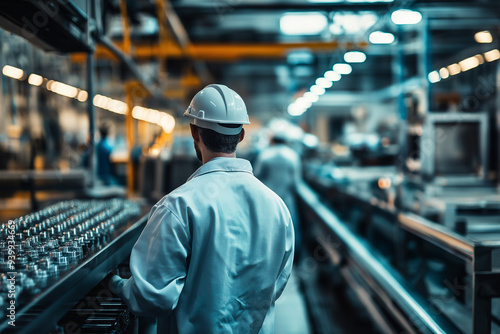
column 279, row 167
column 215, row 254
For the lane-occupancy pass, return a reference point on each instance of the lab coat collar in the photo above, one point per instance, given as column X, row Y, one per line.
column 223, row 164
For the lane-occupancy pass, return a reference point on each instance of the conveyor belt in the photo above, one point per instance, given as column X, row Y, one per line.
column 382, row 285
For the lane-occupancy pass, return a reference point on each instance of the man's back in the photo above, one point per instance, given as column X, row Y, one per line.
column 278, row 166
column 238, row 238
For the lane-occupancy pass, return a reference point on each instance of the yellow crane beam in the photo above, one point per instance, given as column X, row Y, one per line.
column 218, row 51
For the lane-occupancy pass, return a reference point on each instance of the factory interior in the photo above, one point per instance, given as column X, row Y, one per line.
column 392, row 108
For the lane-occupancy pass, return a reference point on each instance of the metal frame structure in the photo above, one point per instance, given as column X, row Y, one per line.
column 478, row 256
column 374, row 281
column 428, row 152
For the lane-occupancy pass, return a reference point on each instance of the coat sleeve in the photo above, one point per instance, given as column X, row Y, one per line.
column 287, row 263
column 158, row 263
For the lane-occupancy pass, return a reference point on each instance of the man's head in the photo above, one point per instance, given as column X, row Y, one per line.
column 217, row 116
column 214, row 142
column 104, row 128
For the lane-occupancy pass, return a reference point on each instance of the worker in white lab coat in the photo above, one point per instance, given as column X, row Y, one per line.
column 216, row 252
column 279, row 167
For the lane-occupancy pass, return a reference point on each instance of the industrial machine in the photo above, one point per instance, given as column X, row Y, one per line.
column 52, row 258
column 454, row 148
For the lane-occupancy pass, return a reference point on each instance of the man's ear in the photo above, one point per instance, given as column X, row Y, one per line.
column 194, row 132
column 242, row 135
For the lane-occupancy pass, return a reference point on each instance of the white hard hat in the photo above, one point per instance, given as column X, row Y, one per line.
column 216, row 104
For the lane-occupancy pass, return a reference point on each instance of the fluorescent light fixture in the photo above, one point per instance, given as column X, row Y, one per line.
column 483, row 37
column 354, row 57
column 444, row 73
column 118, row 107
column 62, row 89
column 492, row 55
column 480, row 58
column 112, row 105
column 342, row 68
column 315, row 89
column 82, row 96
column 13, row 72
column 295, row 110
column 333, row 76
column 303, row 23
column 311, row 97
column 100, row 100
column 454, row 69
column 351, row 23
column 324, row 83
column 434, row 77
column 406, row 16
column 380, row 37
column 302, row 102
column 35, row 79
column 167, row 122
column 300, row 57
column 469, row 63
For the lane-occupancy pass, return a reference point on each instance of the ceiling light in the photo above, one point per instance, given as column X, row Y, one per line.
column 444, row 73
column 295, row 110
column 302, row 23
column 82, row 96
column 406, row 16
column 492, row 55
column 98, row 100
column 35, row 79
column 300, row 57
column 342, row 68
column 454, row 69
column 352, row 23
column 333, row 76
column 434, row 77
column 354, row 57
column 63, row 89
column 469, row 63
column 483, row 37
column 167, row 122
column 323, row 82
column 380, row 37
column 12, row 72
column 315, row 89
column 311, row 97
column 302, row 102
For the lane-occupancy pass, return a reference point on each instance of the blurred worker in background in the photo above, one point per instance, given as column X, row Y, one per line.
column 216, row 252
column 279, row 167
column 104, row 150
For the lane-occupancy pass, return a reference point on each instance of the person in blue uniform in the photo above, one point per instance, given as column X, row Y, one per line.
column 104, row 149
column 216, row 252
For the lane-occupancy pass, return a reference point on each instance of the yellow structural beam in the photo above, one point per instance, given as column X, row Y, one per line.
column 218, row 51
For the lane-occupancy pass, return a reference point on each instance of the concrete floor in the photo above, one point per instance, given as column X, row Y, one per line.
column 291, row 312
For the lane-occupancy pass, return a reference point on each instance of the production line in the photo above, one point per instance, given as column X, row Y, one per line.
column 296, row 166
column 54, row 247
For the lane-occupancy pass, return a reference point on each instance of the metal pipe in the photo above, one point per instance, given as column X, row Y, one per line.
column 91, row 115
column 438, row 235
column 92, row 162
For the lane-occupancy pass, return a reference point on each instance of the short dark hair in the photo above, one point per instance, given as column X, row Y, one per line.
column 217, row 142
